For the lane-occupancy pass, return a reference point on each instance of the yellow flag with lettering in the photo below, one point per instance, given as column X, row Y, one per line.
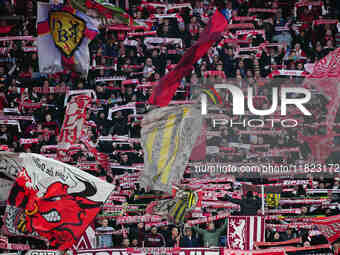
column 67, row 31
column 63, row 38
column 273, row 200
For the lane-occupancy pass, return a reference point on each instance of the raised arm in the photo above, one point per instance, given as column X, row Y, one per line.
column 222, row 228
column 233, row 200
column 198, row 230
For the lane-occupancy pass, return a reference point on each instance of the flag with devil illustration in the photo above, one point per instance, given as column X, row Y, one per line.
column 50, row 199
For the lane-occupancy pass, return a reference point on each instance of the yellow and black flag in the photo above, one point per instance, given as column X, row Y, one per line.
column 168, row 137
column 176, row 208
column 185, row 203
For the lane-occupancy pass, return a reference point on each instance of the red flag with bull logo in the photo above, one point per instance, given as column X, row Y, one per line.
column 50, row 199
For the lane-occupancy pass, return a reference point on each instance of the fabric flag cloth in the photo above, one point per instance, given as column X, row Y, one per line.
column 329, row 227
column 5, row 188
column 168, row 135
column 87, row 240
column 244, row 231
column 75, row 129
column 163, row 92
column 50, row 199
column 65, row 35
column 104, row 9
column 199, row 151
column 272, row 193
column 177, row 208
column 325, row 78
column 254, row 252
column 74, row 125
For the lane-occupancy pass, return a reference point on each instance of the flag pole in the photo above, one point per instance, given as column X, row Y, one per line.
column 262, row 192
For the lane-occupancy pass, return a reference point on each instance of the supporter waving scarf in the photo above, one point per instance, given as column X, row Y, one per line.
column 166, row 88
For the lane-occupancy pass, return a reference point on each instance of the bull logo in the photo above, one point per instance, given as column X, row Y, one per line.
column 59, row 215
column 67, row 31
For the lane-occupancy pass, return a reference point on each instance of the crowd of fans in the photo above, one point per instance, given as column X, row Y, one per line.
column 118, row 57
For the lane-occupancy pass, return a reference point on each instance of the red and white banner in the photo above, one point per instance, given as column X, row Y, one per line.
column 17, row 38
column 51, row 90
column 179, row 251
column 329, row 227
column 167, row 16
column 14, row 246
column 132, row 34
column 30, row 49
column 251, row 32
column 308, row 3
column 304, row 201
column 157, row 224
column 134, row 219
column 244, row 18
column 87, row 240
column 208, row 219
column 111, row 78
column 284, row 227
column 271, row 244
column 220, row 204
column 325, row 21
column 74, row 122
column 284, row 72
column 28, row 140
column 258, row 252
column 148, row 41
column 122, row 231
column 252, row 10
column 178, row 6
column 244, row 231
column 129, row 82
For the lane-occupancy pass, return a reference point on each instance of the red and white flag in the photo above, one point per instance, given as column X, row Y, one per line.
column 244, row 231
column 329, row 227
column 87, row 240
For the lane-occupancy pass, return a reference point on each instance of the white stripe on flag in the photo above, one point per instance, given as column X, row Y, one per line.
column 251, row 232
column 259, row 229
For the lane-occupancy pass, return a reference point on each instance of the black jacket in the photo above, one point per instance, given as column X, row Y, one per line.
column 249, row 206
column 189, row 243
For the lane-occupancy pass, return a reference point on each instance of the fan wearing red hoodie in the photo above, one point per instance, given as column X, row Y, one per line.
column 154, row 239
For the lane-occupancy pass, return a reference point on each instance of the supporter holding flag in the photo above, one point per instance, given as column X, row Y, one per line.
column 249, row 204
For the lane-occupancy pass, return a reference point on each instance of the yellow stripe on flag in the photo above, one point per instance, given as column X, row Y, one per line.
column 165, row 174
column 149, row 144
column 211, row 95
column 164, row 153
